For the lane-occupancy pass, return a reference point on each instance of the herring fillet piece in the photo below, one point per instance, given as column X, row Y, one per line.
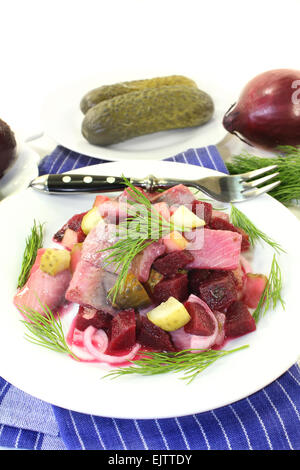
column 177, row 195
column 91, row 281
column 42, row 289
column 142, row 262
column 90, row 285
column 214, row 249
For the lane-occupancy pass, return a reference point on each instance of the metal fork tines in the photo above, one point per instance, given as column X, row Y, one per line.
column 235, row 188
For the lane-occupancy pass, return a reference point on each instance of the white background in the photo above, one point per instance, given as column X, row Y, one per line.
column 44, row 44
column 47, row 43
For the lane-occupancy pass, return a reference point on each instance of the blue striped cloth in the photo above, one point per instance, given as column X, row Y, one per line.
column 266, row 420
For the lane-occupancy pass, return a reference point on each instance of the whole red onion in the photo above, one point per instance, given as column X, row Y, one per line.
column 267, row 113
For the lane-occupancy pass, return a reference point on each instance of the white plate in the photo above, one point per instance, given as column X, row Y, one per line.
column 57, row 379
column 23, row 170
column 62, row 118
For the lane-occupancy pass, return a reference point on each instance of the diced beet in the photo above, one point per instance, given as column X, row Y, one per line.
column 219, row 290
column 196, row 276
column 239, row 320
column 203, row 210
column 254, row 287
column 176, row 286
column 151, row 336
column 219, row 223
column 123, row 331
column 171, row 262
column 200, row 323
column 74, row 224
column 89, row 316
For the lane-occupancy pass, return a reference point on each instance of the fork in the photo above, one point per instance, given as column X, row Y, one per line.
column 223, row 188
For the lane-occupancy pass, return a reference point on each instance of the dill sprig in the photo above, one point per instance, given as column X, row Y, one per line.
column 143, row 226
column 33, row 243
column 44, row 329
column 190, row 364
column 239, row 219
column 271, row 295
column 288, row 162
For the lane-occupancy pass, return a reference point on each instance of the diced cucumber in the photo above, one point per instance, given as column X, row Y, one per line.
column 90, row 220
column 170, row 315
column 184, row 219
column 54, row 261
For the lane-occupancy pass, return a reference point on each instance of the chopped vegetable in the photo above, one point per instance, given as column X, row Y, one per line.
column 186, row 219
column 132, row 294
column 169, row 315
column 54, row 261
column 90, row 220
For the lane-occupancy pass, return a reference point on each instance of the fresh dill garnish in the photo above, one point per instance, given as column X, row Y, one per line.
column 186, row 362
column 33, row 243
column 288, row 162
column 239, row 219
column 44, row 329
column 272, row 292
column 143, row 226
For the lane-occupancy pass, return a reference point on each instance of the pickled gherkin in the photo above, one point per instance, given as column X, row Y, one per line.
column 145, row 112
column 132, row 294
column 106, row 92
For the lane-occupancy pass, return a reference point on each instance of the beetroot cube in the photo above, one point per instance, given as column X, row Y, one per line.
column 200, row 323
column 123, row 331
column 239, row 320
column 176, row 286
column 203, row 210
column 170, row 263
column 89, row 316
column 219, row 223
column 196, row 276
column 219, row 291
column 153, row 337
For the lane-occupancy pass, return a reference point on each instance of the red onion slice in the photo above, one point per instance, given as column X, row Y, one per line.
column 183, row 340
column 100, row 337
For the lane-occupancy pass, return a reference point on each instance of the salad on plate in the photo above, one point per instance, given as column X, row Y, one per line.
column 156, row 282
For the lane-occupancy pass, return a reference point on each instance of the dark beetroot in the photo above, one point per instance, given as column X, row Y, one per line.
column 219, row 290
column 123, row 331
column 203, row 210
column 153, row 337
column 89, row 316
column 8, row 147
column 74, row 224
column 170, row 263
column 196, row 276
column 239, row 320
column 176, row 286
column 219, row 223
column 200, row 323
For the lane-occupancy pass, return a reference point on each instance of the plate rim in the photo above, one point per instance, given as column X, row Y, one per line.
column 125, row 416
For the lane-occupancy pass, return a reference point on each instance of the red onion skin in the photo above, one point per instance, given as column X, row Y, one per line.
column 267, row 113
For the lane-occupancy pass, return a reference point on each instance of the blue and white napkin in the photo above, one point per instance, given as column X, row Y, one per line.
column 266, row 420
